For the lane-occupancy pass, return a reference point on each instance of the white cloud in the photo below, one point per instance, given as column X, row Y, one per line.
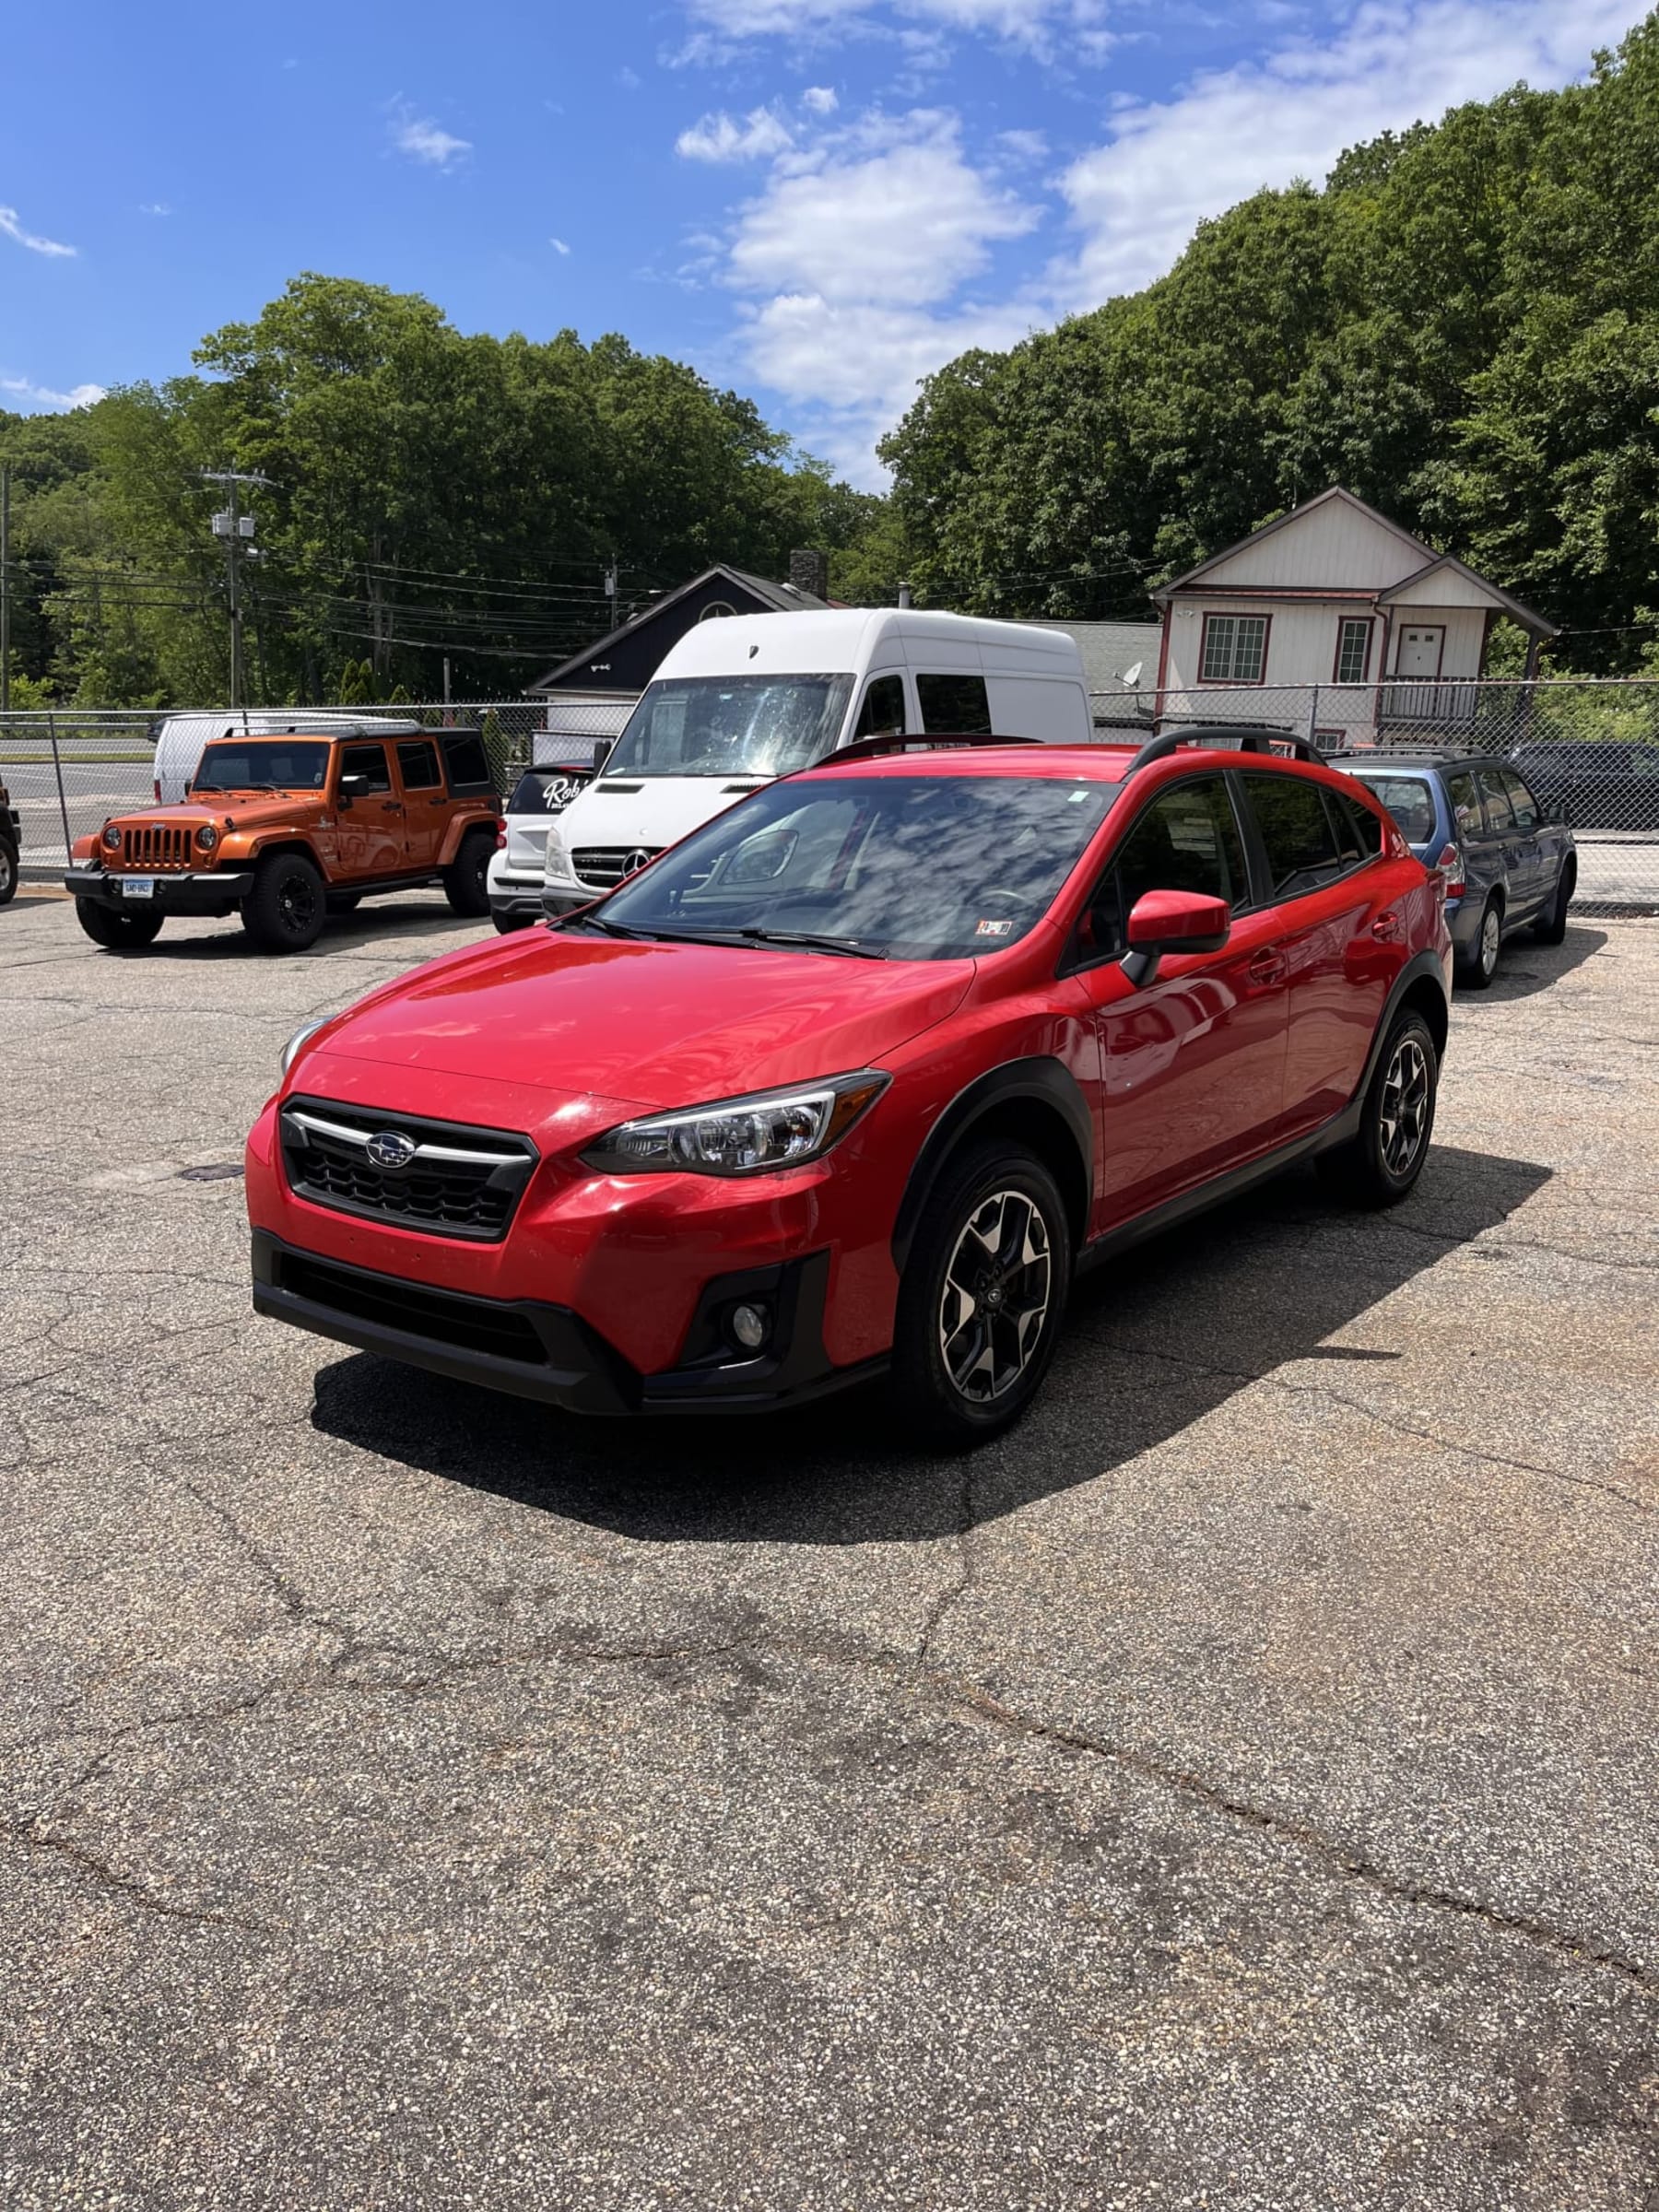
column 1171, row 163
column 154, row 207
column 761, row 134
column 12, row 227
column 890, row 211
column 424, row 140
column 1023, row 22
column 821, row 100
column 558, row 245
column 40, row 398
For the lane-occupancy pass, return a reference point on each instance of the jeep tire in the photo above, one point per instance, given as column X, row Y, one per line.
column 8, row 871
column 114, row 928
column 464, row 884
column 285, row 910
column 983, row 1296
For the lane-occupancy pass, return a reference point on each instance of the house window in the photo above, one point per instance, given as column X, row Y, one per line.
column 1353, row 648
column 1234, row 649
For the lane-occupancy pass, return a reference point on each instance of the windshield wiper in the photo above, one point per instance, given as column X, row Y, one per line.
column 609, row 929
column 808, row 941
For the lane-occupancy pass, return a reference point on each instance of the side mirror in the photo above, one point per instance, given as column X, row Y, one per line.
column 602, row 753
column 1162, row 922
column 353, row 787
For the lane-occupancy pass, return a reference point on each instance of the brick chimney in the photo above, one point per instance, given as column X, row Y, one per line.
column 809, row 572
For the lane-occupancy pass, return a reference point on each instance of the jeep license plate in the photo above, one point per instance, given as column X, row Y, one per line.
column 137, row 887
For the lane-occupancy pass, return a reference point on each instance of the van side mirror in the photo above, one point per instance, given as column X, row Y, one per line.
column 1162, row 922
column 602, row 748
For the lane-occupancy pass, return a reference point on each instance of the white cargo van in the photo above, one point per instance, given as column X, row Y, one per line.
column 739, row 701
column 180, row 739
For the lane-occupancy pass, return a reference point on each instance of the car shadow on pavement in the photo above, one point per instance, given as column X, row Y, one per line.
column 369, row 929
column 1153, row 1343
column 1527, row 966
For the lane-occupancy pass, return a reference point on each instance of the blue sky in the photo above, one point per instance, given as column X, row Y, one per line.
column 817, row 201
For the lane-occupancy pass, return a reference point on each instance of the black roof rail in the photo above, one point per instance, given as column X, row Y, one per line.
column 911, row 741
column 1231, row 737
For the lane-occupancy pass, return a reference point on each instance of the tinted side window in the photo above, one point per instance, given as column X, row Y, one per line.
column 1185, row 841
column 1465, row 806
column 1342, row 821
column 1367, row 827
column 1522, row 800
column 955, row 704
column 419, row 762
column 468, row 762
column 1296, row 830
column 882, row 713
column 367, row 760
column 1500, row 813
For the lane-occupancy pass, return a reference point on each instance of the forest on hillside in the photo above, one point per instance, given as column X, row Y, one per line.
column 1462, row 326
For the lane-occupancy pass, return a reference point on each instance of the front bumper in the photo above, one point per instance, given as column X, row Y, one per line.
column 532, row 1349
column 515, row 895
column 212, row 893
column 556, row 899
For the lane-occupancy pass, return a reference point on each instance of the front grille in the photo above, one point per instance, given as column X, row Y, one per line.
column 469, row 1324
column 604, row 867
column 158, row 845
column 459, row 1182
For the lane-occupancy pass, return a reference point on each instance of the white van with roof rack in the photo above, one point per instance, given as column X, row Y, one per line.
column 738, row 702
column 180, row 739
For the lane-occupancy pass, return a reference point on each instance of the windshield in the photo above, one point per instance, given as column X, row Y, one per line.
column 896, row 867
column 1410, row 801
column 731, row 725
column 545, row 790
column 282, row 764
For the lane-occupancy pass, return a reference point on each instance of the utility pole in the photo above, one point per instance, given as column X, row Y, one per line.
column 233, row 526
column 4, row 587
column 610, row 588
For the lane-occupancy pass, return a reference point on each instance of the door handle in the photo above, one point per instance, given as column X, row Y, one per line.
column 390, row 807
column 1266, row 967
column 1387, row 928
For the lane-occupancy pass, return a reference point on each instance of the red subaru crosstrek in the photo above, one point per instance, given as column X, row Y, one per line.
column 857, row 1076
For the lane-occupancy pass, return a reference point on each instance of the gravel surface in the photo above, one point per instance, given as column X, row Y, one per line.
column 1237, row 1788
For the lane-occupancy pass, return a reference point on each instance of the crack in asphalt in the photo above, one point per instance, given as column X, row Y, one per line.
column 955, row 1591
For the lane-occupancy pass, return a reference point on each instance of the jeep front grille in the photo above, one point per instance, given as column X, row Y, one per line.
column 604, row 867
column 459, row 1182
column 157, row 845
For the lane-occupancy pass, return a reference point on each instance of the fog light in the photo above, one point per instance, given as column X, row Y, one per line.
column 750, row 1325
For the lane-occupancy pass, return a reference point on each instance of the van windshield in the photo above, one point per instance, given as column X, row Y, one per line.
column 731, row 725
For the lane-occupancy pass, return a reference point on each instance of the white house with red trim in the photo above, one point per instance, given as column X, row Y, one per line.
column 1332, row 621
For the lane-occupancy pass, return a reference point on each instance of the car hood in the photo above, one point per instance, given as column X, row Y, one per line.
column 653, row 1025
column 246, row 814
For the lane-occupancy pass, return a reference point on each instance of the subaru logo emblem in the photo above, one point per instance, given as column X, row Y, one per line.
column 635, row 861
column 391, row 1148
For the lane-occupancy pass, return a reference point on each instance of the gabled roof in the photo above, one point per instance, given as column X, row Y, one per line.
column 1515, row 607
column 1297, row 514
column 1429, row 561
column 782, row 598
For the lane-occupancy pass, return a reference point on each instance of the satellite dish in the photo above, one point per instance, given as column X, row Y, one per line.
column 1132, row 677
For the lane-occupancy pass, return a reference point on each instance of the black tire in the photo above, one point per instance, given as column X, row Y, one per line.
column 8, row 871
column 1477, row 972
column 1380, row 1165
column 464, row 879
column 114, row 928
column 1550, row 927
column 286, row 908
column 507, row 923
column 955, row 1387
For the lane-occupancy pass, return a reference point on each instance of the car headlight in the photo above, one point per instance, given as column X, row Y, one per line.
column 741, row 1136
column 558, row 862
column 111, row 834
column 300, row 1038
column 207, row 837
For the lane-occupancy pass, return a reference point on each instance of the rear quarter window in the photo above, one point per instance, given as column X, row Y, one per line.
column 468, row 763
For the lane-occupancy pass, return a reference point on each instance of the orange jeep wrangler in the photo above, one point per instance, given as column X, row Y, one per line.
column 286, row 829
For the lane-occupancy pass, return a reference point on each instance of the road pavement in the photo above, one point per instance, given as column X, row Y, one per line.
column 1235, row 1788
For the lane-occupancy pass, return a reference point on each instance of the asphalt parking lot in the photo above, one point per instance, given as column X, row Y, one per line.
column 1236, row 1788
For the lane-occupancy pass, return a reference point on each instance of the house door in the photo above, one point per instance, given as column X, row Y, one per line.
column 1419, row 656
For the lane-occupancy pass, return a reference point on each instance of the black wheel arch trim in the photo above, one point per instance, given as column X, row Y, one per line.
column 1040, row 1080
column 1424, row 966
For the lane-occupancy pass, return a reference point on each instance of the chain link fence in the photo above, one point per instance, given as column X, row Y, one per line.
column 1590, row 747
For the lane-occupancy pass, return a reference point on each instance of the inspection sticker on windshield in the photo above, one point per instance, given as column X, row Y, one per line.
column 994, row 929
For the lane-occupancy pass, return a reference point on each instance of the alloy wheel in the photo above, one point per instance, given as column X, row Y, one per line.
column 995, row 1296
column 1491, row 935
column 1404, row 1107
column 296, row 903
